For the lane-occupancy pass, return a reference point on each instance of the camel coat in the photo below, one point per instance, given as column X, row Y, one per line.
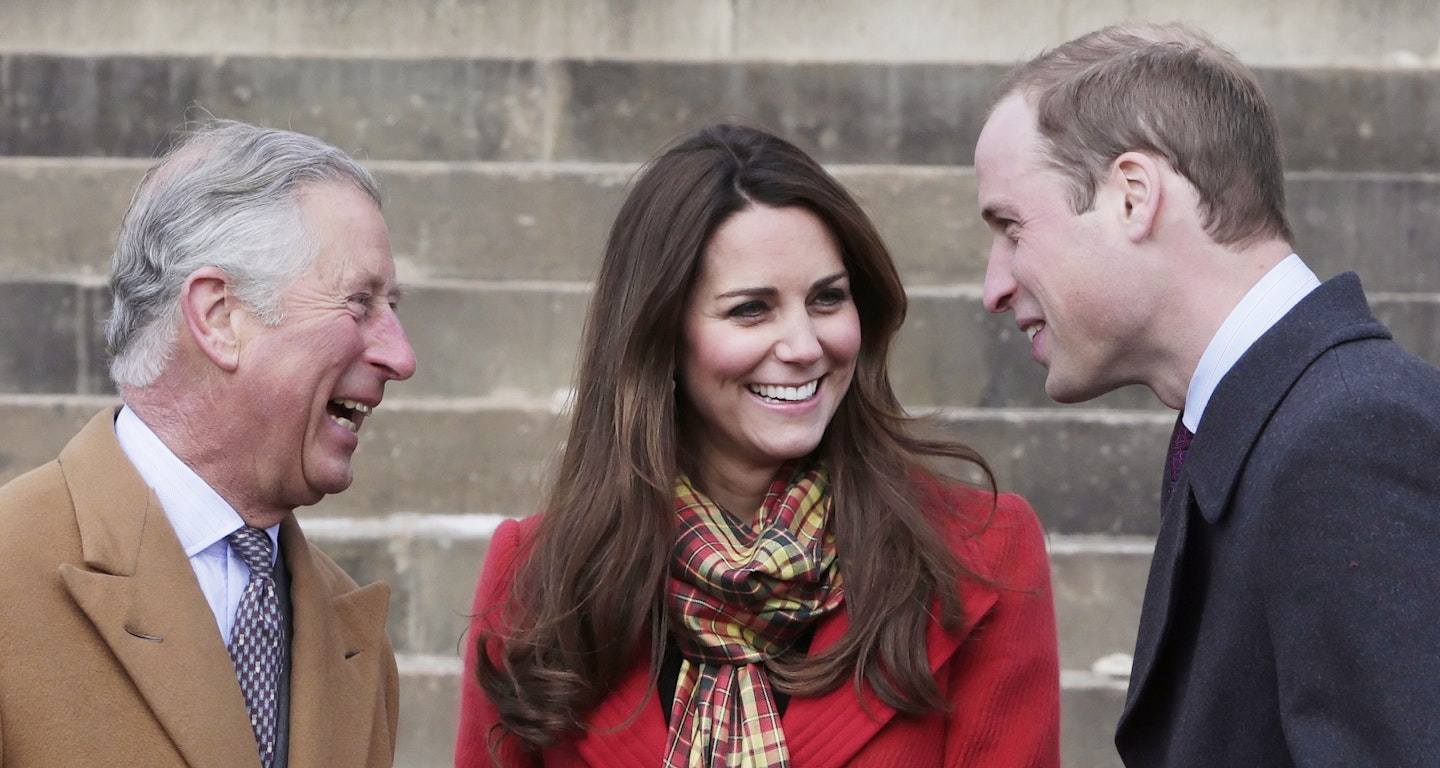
column 110, row 655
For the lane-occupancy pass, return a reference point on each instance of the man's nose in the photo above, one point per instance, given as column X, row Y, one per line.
column 390, row 349
column 999, row 280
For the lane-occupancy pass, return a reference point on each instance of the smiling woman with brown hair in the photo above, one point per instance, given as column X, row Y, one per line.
column 747, row 558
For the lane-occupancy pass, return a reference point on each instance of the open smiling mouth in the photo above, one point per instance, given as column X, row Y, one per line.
column 781, row 394
column 347, row 413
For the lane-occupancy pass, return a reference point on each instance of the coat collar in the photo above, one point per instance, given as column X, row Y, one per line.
column 1243, row 402
column 1332, row 314
column 628, row 727
column 340, row 653
column 139, row 591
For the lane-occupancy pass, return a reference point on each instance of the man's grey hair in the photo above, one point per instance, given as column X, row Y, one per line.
column 227, row 195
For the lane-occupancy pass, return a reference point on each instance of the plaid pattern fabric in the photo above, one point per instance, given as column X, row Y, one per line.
column 256, row 638
column 740, row 594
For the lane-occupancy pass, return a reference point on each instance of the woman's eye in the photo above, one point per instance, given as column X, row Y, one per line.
column 832, row 296
column 749, row 309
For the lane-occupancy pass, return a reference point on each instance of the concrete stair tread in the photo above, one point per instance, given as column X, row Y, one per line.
column 505, row 133
column 469, row 220
column 524, row 109
column 1328, row 32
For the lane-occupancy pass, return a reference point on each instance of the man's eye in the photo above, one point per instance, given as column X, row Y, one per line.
column 360, row 301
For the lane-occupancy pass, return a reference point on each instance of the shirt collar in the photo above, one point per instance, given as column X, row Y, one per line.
column 1263, row 305
column 200, row 517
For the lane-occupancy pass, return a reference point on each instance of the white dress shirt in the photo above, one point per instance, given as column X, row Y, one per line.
column 1262, row 307
column 199, row 516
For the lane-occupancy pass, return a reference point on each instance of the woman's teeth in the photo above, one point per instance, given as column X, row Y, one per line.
column 787, row 394
column 1034, row 329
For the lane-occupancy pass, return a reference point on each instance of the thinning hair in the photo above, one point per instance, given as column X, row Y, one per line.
column 1170, row 91
column 226, row 195
column 591, row 591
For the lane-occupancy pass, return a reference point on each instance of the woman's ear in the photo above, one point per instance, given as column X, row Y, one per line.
column 212, row 316
column 1137, row 178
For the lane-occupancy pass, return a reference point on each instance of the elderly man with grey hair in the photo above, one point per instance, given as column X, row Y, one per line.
column 159, row 605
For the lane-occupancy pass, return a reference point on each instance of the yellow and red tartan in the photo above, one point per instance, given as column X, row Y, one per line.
column 740, row 594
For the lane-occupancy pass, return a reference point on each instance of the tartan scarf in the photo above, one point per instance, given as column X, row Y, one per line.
column 739, row 595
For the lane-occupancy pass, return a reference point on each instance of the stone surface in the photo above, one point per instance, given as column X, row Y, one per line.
column 548, row 222
column 43, row 325
column 449, row 457
column 38, row 427
column 576, row 110
column 493, row 340
column 501, row 221
column 1386, row 227
column 429, row 705
column 1414, row 323
column 1099, row 585
column 125, row 106
column 1084, row 471
column 432, row 582
column 1399, row 33
column 1087, row 726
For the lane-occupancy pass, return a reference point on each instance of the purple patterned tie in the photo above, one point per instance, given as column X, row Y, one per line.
column 1179, row 446
column 255, row 640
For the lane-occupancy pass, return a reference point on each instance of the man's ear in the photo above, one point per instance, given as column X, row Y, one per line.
column 212, row 316
column 1138, row 184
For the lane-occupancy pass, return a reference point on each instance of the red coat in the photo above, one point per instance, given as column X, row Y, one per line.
column 1000, row 671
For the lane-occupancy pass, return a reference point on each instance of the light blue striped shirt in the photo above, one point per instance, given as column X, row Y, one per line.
column 201, row 518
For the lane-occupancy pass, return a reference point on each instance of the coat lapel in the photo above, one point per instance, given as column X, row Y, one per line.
column 339, row 655
column 628, row 727
column 1236, row 416
column 1165, row 567
column 141, row 595
column 827, row 731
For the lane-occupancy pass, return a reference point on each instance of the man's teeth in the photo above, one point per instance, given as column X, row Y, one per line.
column 1034, row 329
column 353, row 406
column 791, row 394
column 346, row 423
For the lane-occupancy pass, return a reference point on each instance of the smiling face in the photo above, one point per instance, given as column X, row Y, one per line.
column 309, row 381
column 771, row 334
column 1070, row 279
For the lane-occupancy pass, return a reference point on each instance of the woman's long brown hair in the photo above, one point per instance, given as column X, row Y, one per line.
column 590, row 595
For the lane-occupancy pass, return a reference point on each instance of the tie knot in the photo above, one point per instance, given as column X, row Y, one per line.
column 254, row 547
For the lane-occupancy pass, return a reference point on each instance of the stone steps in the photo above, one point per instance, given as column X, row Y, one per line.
column 546, row 221
column 494, row 339
column 479, row 109
column 505, row 132
column 1315, row 33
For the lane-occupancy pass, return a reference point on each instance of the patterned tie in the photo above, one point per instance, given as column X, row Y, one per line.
column 255, row 640
column 1179, row 446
